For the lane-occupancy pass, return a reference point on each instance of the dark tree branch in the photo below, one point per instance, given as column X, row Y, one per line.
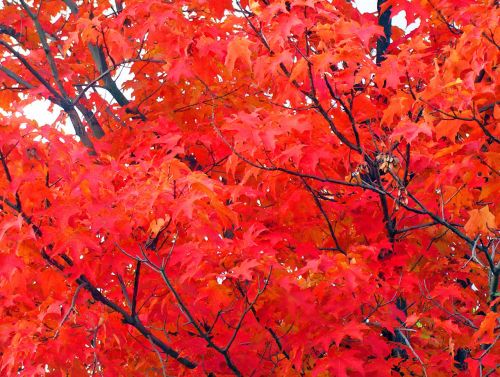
column 106, row 73
column 136, row 288
column 273, row 334
column 481, row 123
column 70, row 309
column 249, row 307
column 325, row 216
column 311, row 95
column 436, row 218
column 390, row 223
column 5, row 167
column 451, row 27
column 91, row 120
column 98, row 296
column 276, row 168
column 224, row 351
column 491, row 39
column 16, row 78
column 407, row 165
column 79, row 128
column 346, row 109
column 489, row 106
column 100, row 62
column 62, row 99
column 72, row 6
column 10, row 31
column 135, row 322
column 46, row 48
column 33, row 71
column 123, row 287
column 384, row 20
column 415, row 227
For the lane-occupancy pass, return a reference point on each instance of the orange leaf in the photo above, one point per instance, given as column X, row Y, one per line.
column 486, row 330
column 238, row 49
column 480, row 221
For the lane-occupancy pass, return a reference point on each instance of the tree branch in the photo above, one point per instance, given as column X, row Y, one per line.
column 72, row 6
column 46, row 48
column 325, row 216
column 136, row 288
column 102, row 66
column 70, row 309
column 385, row 21
column 33, row 71
column 84, row 282
column 15, row 77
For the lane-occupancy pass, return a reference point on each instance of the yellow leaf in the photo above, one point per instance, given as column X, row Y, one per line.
column 453, row 83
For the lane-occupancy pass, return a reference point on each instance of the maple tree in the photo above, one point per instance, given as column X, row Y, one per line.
column 250, row 188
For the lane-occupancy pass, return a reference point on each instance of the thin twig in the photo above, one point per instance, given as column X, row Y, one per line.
column 70, row 309
column 407, row 342
column 164, row 372
column 136, row 287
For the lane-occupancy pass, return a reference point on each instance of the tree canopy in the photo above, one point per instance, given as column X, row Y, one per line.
column 250, row 188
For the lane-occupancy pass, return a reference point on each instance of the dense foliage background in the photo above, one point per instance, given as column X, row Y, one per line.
column 255, row 188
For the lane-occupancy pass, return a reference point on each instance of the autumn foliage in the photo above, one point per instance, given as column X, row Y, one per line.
column 254, row 188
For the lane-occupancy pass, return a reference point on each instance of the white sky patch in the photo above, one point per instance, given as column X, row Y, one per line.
column 39, row 111
column 399, row 20
column 366, row 6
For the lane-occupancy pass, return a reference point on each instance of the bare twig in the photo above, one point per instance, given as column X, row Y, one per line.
column 46, row 48
column 136, row 287
column 325, row 216
column 70, row 309
column 162, row 363
column 124, row 290
column 408, row 344
column 16, row 77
